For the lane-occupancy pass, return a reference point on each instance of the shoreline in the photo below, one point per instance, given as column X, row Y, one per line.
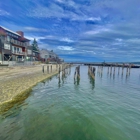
column 17, row 83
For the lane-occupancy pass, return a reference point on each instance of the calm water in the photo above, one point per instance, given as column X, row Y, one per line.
column 61, row 109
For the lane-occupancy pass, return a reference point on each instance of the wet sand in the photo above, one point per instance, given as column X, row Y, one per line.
column 14, row 81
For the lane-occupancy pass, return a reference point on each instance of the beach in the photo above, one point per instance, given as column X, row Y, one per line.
column 16, row 82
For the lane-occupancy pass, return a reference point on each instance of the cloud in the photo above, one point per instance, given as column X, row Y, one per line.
column 33, row 29
column 67, row 40
column 97, row 31
column 118, row 39
column 41, row 11
column 86, row 18
column 61, row 1
column 65, row 48
column 4, row 13
column 79, row 29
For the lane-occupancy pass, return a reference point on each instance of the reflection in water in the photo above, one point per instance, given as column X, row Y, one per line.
column 76, row 80
column 62, row 76
column 59, row 80
column 92, row 81
column 100, row 71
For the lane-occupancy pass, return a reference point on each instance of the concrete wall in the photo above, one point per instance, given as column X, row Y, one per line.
column 14, row 63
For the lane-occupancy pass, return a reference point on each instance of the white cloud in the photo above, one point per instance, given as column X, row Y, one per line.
column 4, row 13
column 41, row 37
column 94, row 19
column 118, row 39
column 61, row 1
column 35, row 29
column 97, row 31
column 66, row 48
column 52, row 10
column 134, row 40
column 66, row 40
column 86, row 18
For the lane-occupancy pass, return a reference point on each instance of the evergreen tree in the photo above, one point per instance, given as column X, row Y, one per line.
column 35, row 45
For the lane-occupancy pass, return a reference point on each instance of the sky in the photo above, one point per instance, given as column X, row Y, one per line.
column 78, row 30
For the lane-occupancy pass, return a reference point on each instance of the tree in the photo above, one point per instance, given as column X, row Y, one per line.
column 35, row 45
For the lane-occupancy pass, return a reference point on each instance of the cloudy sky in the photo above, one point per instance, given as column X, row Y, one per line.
column 78, row 30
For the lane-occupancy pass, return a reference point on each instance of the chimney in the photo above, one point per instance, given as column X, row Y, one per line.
column 20, row 33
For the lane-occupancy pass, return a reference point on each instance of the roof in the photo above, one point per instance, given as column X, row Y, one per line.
column 23, row 39
column 9, row 30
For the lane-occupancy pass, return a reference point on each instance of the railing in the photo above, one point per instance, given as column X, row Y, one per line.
column 17, row 52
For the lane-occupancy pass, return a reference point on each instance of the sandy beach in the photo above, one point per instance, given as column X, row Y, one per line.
column 16, row 82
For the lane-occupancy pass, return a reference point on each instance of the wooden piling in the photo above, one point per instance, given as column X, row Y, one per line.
column 51, row 68
column 47, row 68
column 91, row 71
column 118, row 70
column 43, row 68
column 108, row 70
column 111, row 70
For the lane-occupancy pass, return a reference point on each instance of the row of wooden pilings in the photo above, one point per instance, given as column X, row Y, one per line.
column 48, row 68
column 62, row 74
column 65, row 70
column 91, row 72
column 112, row 70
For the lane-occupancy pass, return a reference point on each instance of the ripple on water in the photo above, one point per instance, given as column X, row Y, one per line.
column 104, row 109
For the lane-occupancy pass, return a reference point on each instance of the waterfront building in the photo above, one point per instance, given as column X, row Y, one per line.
column 49, row 56
column 14, row 47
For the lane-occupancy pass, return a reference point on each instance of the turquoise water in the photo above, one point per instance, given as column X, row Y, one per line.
column 63, row 109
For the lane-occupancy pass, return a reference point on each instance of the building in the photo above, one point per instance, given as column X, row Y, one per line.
column 13, row 46
column 49, row 56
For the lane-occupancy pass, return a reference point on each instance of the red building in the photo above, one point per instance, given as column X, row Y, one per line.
column 13, row 46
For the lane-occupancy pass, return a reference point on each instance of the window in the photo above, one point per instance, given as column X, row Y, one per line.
column 8, row 38
column 12, row 40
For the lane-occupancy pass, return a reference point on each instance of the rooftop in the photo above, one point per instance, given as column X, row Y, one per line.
column 9, row 30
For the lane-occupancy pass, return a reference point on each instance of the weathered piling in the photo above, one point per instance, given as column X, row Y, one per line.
column 56, row 67
column 129, row 68
column 59, row 71
column 108, row 70
column 77, row 72
column 118, row 70
column 51, row 68
column 43, row 68
column 114, row 71
column 47, row 68
column 91, row 71
column 122, row 68
column 77, row 75
column 111, row 69
column 127, row 71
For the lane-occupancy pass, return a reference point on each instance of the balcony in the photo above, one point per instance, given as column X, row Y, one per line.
column 19, row 53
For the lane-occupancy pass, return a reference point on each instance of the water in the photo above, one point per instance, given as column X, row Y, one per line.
column 105, row 109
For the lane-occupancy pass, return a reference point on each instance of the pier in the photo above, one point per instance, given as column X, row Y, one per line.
column 107, row 64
